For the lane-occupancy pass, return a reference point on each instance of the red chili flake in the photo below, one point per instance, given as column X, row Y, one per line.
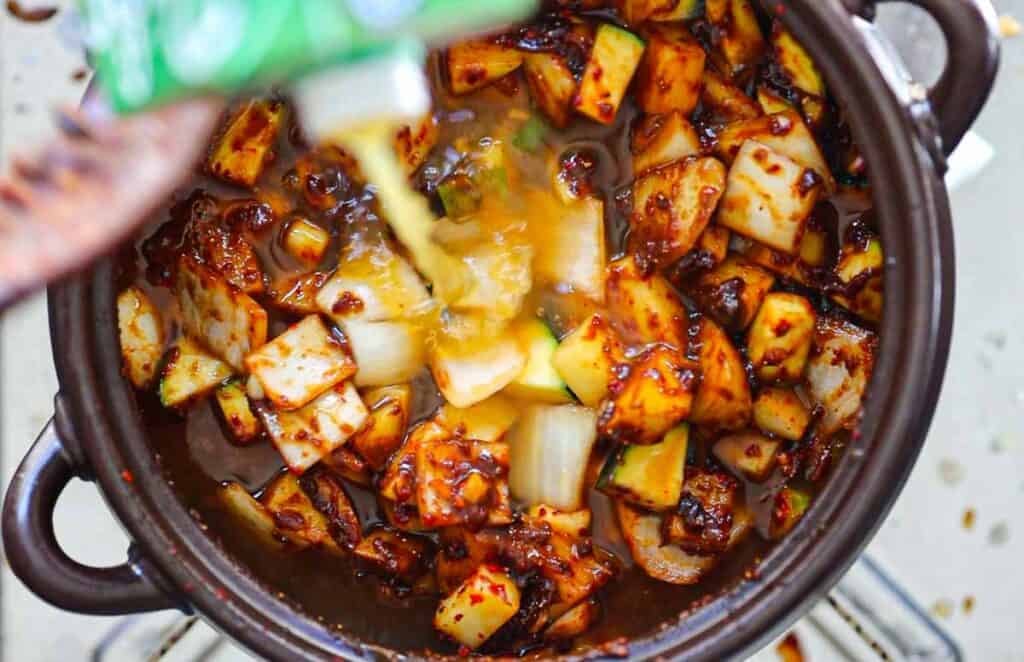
column 220, row 593
column 476, row 599
column 127, row 476
column 464, row 651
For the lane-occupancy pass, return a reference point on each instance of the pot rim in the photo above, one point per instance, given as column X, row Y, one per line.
column 914, row 343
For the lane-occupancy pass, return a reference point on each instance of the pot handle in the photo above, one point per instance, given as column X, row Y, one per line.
column 36, row 557
column 972, row 58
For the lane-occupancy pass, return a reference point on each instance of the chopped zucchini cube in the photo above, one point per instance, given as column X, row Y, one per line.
column 551, row 84
column 189, row 374
column 769, row 197
column 677, row 10
column 723, row 397
column 488, row 420
column 740, row 41
column 296, row 518
column 539, row 381
column 238, row 156
column 479, row 62
column 860, row 268
column 305, row 436
column 790, row 505
column 488, row 599
column 669, row 77
column 587, row 357
column 732, row 292
column 237, row 414
column 574, row 622
column 413, row 143
column 655, row 396
column 386, row 352
column 306, row 241
column 672, row 206
column 249, row 512
column 648, row 476
column 796, row 63
column 613, row 61
column 771, row 102
column 394, row 554
column 141, row 332
column 328, row 496
column 228, row 322
column 573, row 253
column 577, row 575
column 573, row 524
column 779, row 411
column 300, row 364
column 703, row 523
column 662, row 139
column 635, row 12
column 748, row 455
column 780, row 338
column 785, row 133
column 644, row 308
column 726, row 101
column 839, row 371
column 468, row 375
column 460, row 482
column 550, row 446
column 384, row 430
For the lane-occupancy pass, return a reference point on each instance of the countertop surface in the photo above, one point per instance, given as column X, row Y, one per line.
column 954, row 539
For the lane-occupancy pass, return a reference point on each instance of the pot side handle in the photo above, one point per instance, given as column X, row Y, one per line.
column 972, row 59
column 36, row 557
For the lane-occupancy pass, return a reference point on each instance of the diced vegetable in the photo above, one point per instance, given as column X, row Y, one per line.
column 237, row 414
column 669, row 77
column 226, row 251
column 771, row 102
column 462, row 552
column 373, row 285
column 478, row 609
column 648, row 476
column 672, row 206
column 249, row 512
column 796, row 63
column 860, row 268
column 576, row 621
column 460, row 482
column 306, row 241
column 398, row 484
column 297, row 295
column 577, row 574
column 779, row 411
column 304, row 436
column 635, row 12
column 300, row 364
column 769, row 197
column 662, row 139
column 703, row 523
column 413, row 143
column 501, row 277
column 613, row 61
column 732, row 292
column 677, row 10
column 839, row 371
column 530, row 135
column 349, row 465
column 296, row 518
column 538, row 381
column 740, row 39
column 141, row 332
column 324, row 175
column 657, row 393
column 644, row 308
column 550, row 446
column 468, row 375
column 395, row 554
column 328, row 496
column 488, row 420
column 574, row 524
column 573, row 252
column 384, row 430
column 552, row 85
column 747, row 454
column 474, row 64
column 723, row 397
column 586, row 358
column 667, row 563
column 386, row 352
column 793, row 267
column 238, row 156
column 790, row 505
column 189, row 374
column 780, row 338
column 714, row 241
column 231, row 324
column 785, row 133
column 726, row 100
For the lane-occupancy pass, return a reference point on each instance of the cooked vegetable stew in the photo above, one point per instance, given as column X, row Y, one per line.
column 664, row 343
